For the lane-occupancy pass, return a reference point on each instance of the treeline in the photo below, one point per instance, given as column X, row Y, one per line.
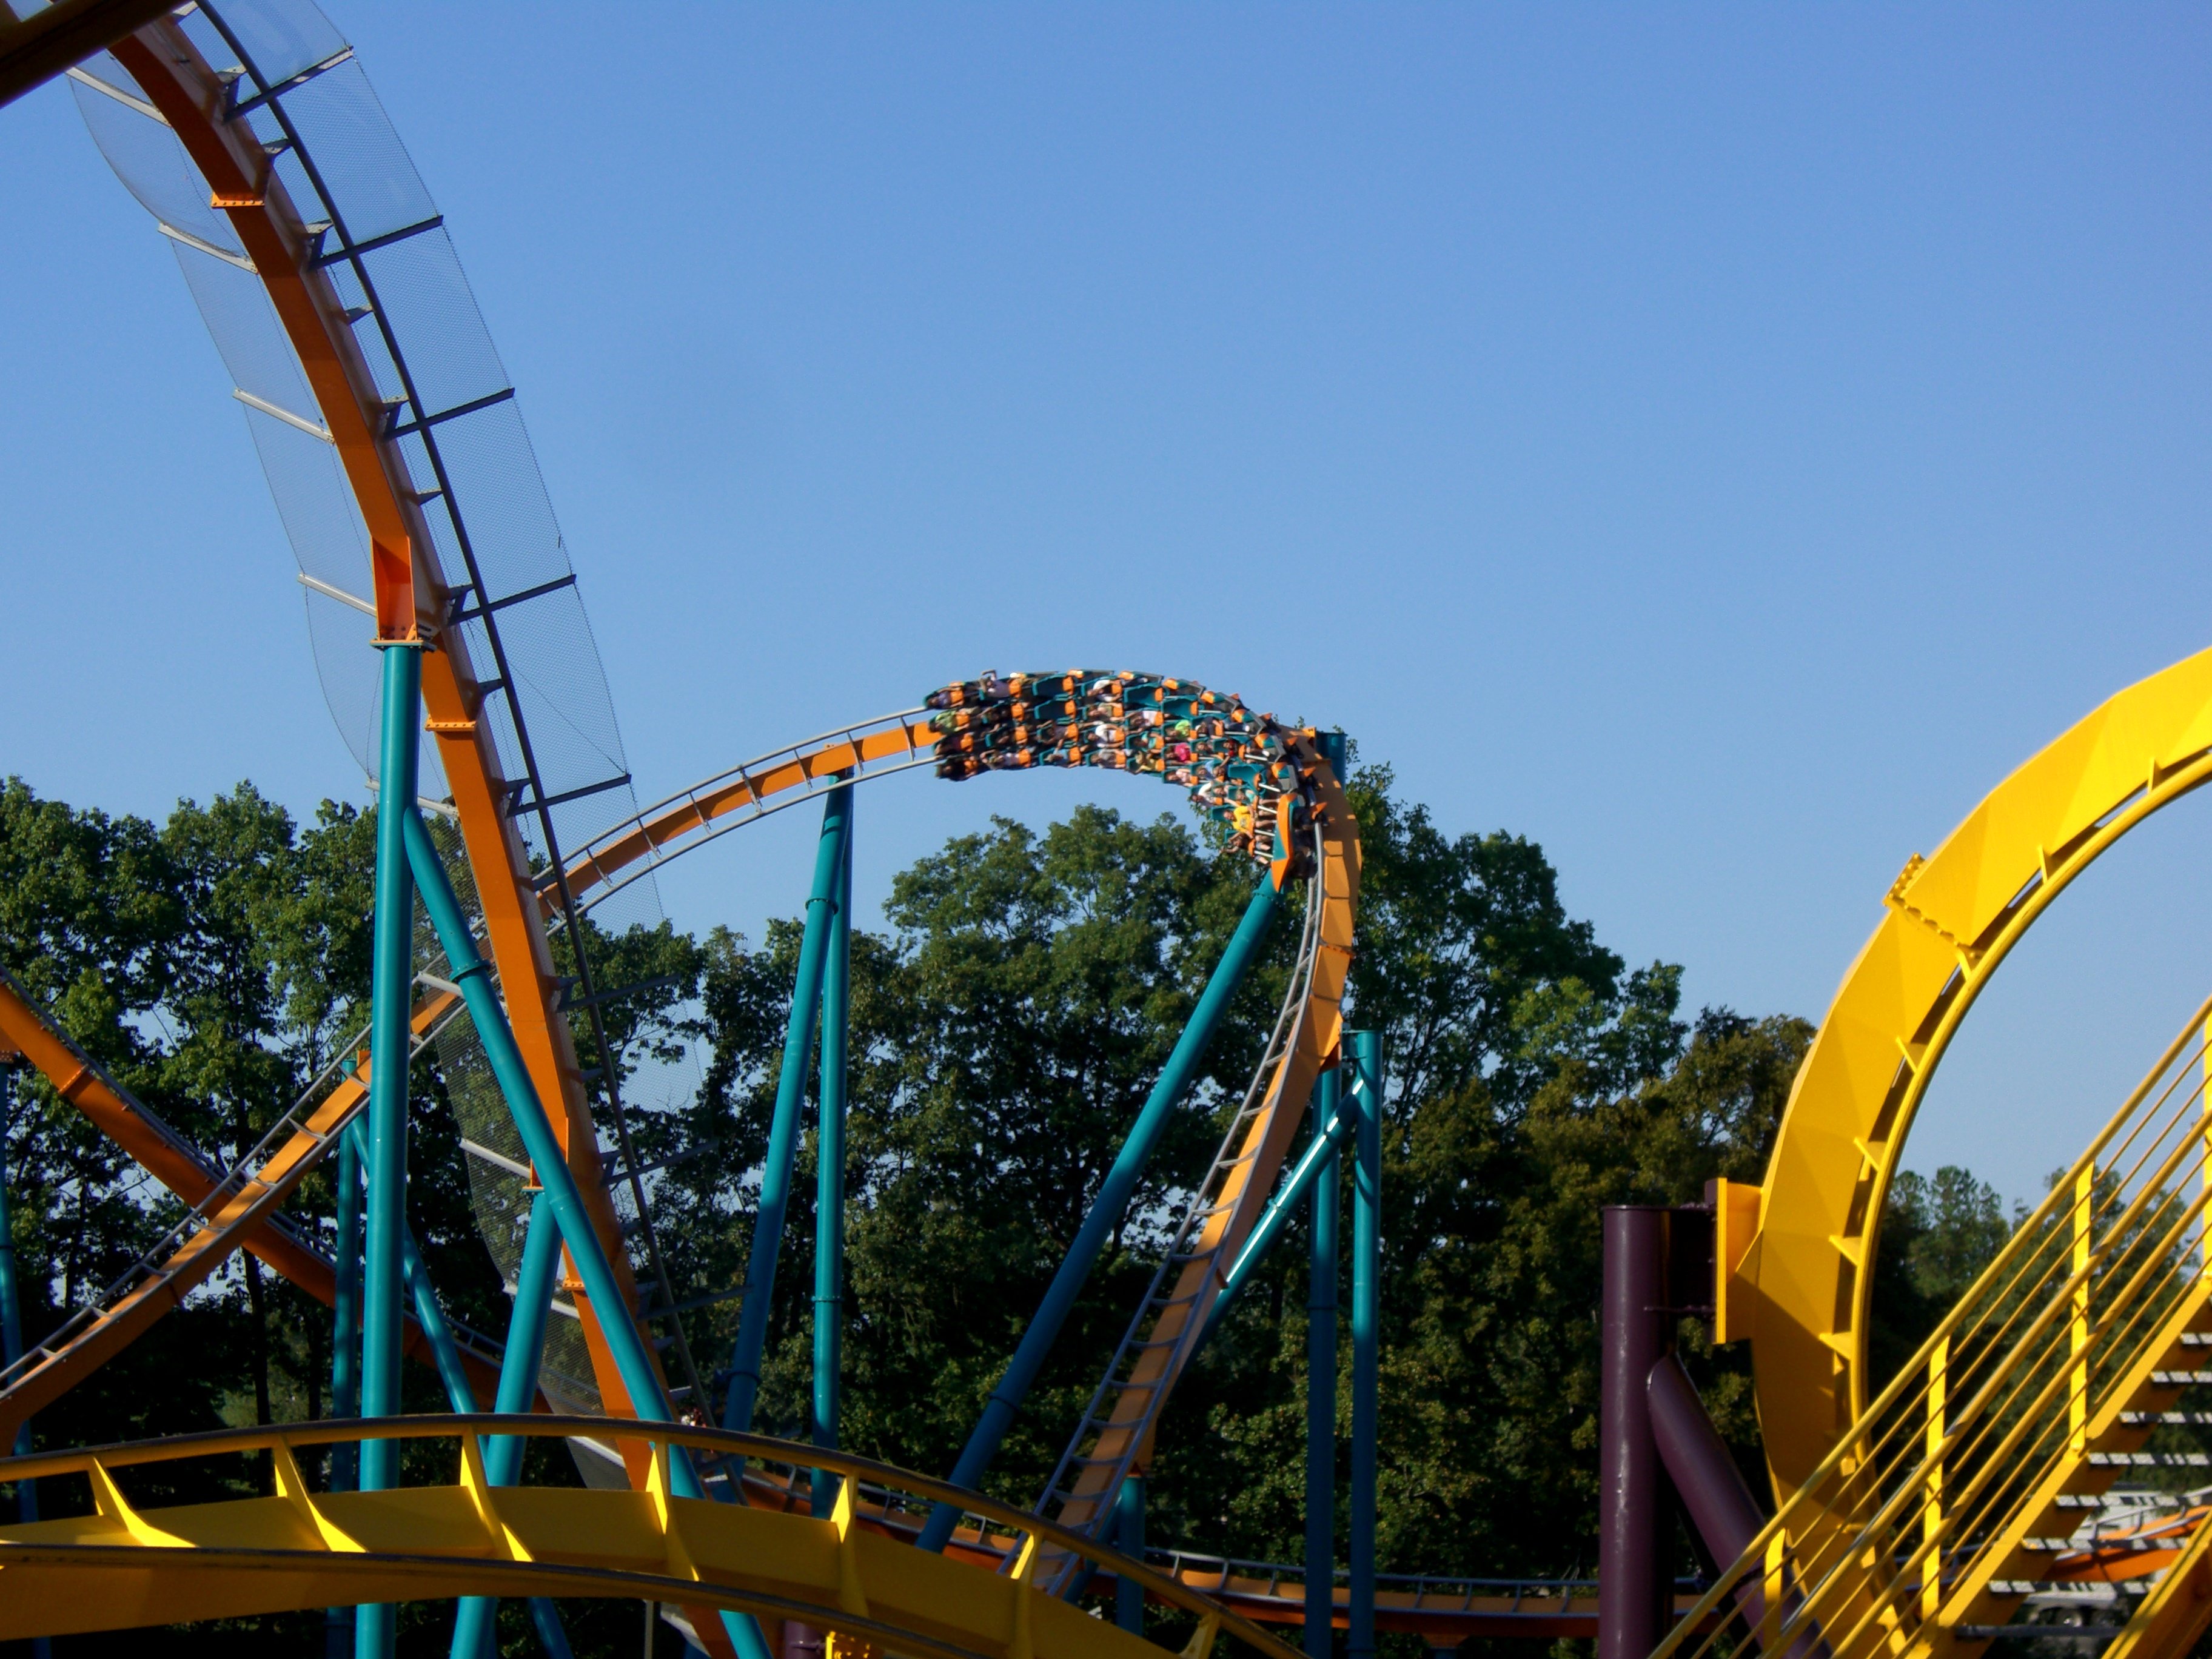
column 1007, row 1023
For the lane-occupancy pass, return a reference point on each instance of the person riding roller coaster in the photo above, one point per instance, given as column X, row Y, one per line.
column 1235, row 763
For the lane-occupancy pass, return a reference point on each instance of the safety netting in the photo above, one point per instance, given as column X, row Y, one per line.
column 517, row 623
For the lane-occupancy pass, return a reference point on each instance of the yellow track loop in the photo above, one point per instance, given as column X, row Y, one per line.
column 1802, row 1291
column 122, row 1567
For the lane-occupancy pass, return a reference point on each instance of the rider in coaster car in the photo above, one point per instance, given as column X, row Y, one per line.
column 959, row 768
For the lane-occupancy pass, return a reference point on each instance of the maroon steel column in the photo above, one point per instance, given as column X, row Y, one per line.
column 1632, row 1582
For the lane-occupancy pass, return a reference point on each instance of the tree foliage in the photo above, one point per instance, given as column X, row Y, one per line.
column 1007, row 1023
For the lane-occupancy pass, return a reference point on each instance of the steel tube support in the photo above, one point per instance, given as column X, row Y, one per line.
column 1129, row 1539
column 474, row 1625
column 1320, row 1369
column 1364, row 1092
column 1632, row 1583
column 1106, row 1210
column 345, row 1359
column 392, row 975
column 830, row 1175
column 783, row 1128
column 1318, row 1159
column 633, row 1361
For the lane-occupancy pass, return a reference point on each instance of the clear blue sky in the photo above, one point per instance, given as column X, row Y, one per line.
column 1717, row 443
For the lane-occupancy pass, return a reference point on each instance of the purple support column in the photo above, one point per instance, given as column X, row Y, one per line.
column 1632, row 1582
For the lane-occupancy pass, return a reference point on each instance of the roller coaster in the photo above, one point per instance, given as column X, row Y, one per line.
column 1954, row 1504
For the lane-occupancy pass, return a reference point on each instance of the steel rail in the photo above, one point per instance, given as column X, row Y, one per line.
column 474, row 1558
column 194, row 100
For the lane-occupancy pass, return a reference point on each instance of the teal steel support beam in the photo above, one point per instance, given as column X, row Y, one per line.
column 783, row 1129
column 830, row 1175
column 476, row 1624
column 633, row 1361
column 392, row 975
column 1106, row 1211
column 346, row 1361
column 1129, row 1539
column 1321, row 1362
column 524, row 1350
column 1365, row 1048
column 1333, row 1127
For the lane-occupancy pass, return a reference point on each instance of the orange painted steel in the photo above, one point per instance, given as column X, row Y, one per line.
column 241, row 1222
column 688, row 820
column 1236, row 1208
column 409, row 601
column 699, row 812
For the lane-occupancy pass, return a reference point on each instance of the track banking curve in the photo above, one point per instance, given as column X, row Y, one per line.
column 1283, row 805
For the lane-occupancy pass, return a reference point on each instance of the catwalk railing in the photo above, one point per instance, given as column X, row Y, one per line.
column 1959, row 1490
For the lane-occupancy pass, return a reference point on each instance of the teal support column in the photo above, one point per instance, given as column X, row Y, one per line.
column 1321, row 1367
column 1333, row 1127
column 345, row 1359
column 1129, row 1539
column 525, row 1349
column 474, row 1624
column 1364, row 1049
column 1106, row 1210
column 830, row 1175
column 783, row 1129
column 11, row 1310
column 633, row 1361
column 392, row 975
column 444, row 1350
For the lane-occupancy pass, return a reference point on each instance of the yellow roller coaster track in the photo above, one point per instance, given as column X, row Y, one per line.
column 1796, row 1253
column 298, row 1549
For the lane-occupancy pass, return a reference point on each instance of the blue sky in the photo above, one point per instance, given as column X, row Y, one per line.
column 1717, row 443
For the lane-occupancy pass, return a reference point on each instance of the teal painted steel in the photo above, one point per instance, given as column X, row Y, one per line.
column 1106, row 1211
column 392, row 977
column 1335, row 1128
column 346, row 1361
column 1129, row 1539
column 525, row 1348
column 1365, row 1051
column 783, row 1129
column 474, row 1625
column 830, row 1177
column 1320, row 1366
column 633, row 1362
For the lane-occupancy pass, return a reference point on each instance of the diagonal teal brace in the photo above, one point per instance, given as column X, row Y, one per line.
column 633, row 1361
column 1335, row 1129
column 822, row 905
column 1106, row 1211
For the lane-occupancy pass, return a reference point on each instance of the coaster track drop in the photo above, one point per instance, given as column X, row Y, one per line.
column 1914, row 1519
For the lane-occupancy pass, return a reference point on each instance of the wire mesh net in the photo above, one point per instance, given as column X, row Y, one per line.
column 372, row 229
